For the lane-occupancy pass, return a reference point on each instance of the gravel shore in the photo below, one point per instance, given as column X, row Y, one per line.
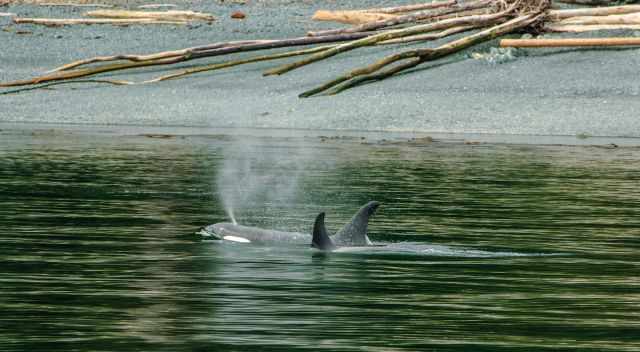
column 545, row 92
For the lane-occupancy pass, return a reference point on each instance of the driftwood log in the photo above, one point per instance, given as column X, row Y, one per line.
column 351, row 17
column 170, row 15
column 73, row 21
column 568, row 42
column 444, row 20
column 122, row 17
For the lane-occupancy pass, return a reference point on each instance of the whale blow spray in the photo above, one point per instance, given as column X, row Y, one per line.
column 255, row 174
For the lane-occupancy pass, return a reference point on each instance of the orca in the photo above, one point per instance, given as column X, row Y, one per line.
column 352, row 234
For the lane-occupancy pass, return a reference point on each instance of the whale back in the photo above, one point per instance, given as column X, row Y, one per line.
column 223, row 230
column 354, row 233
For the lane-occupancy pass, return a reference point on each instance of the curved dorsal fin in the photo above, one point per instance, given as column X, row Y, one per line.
column 354, row 233
column 321, row 239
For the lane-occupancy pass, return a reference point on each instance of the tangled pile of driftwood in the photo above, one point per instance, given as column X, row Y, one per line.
column 483, row 19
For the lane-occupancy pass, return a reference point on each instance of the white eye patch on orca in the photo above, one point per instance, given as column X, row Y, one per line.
column 236, row 239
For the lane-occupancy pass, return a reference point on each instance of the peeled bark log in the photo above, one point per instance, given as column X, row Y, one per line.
column 350, row 17
column 568, row 42
column 72, row 21
column 570, row 28
column 417, row 16
column 71, row 4
column 556, row 15
column 171, row 15
column 632, row 18
column 410, row 8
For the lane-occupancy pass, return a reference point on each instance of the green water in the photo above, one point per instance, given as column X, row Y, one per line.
column 511, row 248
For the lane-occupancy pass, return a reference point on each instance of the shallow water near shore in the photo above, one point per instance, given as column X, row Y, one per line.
column 494, row 247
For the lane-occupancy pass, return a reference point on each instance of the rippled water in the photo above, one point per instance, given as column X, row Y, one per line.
column 495, row 247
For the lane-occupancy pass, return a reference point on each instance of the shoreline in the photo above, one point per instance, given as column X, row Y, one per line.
column 404, row 138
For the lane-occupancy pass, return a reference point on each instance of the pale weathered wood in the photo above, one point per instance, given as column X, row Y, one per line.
column 632, row 18
column 595, row 11
column 157, row 6
column 72, row 21
column 410, row 8
column 171, row 15
column 568, row 42
column 350, row 17
column 571, row 28
column 72, row 4
column 412, row 17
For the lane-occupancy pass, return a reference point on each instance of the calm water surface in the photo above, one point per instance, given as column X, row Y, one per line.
column 510, row 248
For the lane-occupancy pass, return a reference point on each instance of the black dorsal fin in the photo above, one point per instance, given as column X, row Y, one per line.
column 321, row 239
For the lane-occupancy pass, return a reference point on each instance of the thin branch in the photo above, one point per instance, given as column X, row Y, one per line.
column 227, row 64
column 429, row 36
column 374, row 77
column 410, row 8
column 597, row 11
column 155, row 56
column 216, row 49
column 47, row 85
column 568, row 42
column 85, row 72
column 570, row 28
column 72, row 21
